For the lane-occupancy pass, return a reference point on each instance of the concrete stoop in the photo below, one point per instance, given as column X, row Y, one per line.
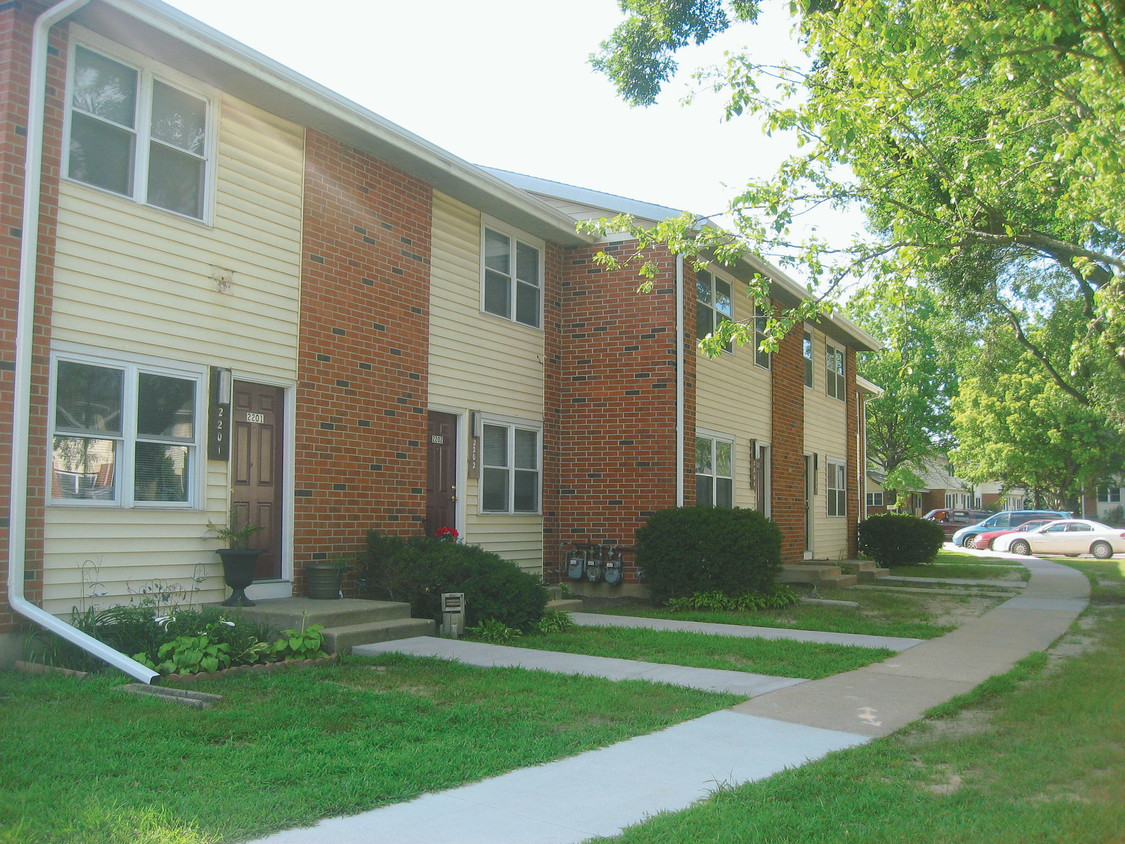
column 866, row 571
column 347, row 622
column 816, row 574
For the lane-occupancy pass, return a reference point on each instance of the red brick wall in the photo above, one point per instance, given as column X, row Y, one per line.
column 787, row 444
column 362, row 384
column 16, row 20
column 611, row 403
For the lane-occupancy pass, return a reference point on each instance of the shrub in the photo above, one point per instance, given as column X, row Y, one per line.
column 418, row 570
column 777, row 596
column 691, row 550
column 896, row 539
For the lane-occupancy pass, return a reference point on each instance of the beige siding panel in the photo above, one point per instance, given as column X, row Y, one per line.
column 139, row 281
column 826, row 434
column 481, row 362
column 733, row 397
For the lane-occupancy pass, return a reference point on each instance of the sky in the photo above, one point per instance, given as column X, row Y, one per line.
column 508, row 84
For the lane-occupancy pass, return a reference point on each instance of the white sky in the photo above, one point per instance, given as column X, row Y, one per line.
column 506, row 83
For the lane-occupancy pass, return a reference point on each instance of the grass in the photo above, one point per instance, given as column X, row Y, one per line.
column 779, row 658
column 83, row 763
column 1035, row 755
column 966, row 571
column 879, row 613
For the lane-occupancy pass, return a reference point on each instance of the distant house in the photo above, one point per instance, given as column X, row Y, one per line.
column 248, row 298
column 941, row 488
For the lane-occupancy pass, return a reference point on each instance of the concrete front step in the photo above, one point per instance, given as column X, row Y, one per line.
column 867, row 571
column 341, row 640
column 565, row 605
column 816, row 574
column 347, row 621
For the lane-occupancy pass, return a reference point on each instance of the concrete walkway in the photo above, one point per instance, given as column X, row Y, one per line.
column 786, row 726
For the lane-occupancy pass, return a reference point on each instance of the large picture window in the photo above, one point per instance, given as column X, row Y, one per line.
column 837, row 489
column 712, row 304
column 138, row 136
column 714, row 472
column 124, row 434
column 510, row 469
column 512, row 282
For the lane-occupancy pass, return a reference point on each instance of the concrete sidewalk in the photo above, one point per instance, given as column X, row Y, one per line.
column 783, row 727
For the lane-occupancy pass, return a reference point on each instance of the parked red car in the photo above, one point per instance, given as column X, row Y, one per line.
column 951, row 519
column 983, row 541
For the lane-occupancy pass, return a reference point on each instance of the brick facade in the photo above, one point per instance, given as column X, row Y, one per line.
column 787, row 452
column 16, row 20
column 362, row 384
column 611, row 403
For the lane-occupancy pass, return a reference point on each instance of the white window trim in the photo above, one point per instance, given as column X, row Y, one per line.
column 831, row 491
column 512, row 424
column 148, row 71
column 808, row 362
column 831, row 376
column 759, row 336
column 716, row 437
column 728, row 348
column 527, row 240
column 132, row 365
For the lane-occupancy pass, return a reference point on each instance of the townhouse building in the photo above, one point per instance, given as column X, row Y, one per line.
column 233, row 295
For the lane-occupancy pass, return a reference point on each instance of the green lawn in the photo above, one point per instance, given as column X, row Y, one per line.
column 1036, row 755
column 85, row 764
column 780, row 657
column 966, row 571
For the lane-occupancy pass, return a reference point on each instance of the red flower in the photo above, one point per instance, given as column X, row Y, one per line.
column 446, row 533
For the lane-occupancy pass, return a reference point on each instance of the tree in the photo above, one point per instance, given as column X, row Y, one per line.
column 982, row 140
column 1013, row 423
column 916, row 369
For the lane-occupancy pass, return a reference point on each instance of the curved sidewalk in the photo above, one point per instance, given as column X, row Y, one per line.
column 606, row 790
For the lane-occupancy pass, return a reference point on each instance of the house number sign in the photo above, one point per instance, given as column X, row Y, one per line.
column 256, row 418
column 218, row 416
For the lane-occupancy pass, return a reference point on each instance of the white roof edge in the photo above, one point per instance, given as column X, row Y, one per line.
column 195, row 33
column 868, row 386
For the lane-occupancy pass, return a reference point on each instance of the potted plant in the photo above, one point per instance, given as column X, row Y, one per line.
column 239, row 560
column 323, row 578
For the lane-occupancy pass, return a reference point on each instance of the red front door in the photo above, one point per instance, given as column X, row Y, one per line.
column 441, row 472
column 257, row 469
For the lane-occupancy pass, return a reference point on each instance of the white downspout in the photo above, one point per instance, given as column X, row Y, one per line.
column 25, row 326
column 679, row 380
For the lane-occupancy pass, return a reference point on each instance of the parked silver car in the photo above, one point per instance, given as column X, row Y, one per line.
column 1069, row 537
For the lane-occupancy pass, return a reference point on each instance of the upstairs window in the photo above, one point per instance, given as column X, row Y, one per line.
column 808, row 353
column 712, row 304
column 762, row 358
column 512, row 278
column 1109, row 494
column 138, row 136
column 834, row 359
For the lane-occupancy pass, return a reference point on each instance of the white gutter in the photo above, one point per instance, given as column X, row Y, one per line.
column 679, row 380
column 25, row 326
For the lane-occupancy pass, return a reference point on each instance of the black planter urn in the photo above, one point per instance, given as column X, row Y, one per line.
column 238, row 571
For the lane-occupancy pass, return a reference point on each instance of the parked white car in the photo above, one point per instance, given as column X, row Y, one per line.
column 1068, row 537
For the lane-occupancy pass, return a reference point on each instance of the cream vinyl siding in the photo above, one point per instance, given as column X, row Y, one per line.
column 826, row 435
column 733, row 396
column 481, row 362
column 134, row 280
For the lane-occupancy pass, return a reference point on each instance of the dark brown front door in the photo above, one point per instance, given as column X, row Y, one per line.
column 441, row 473
column 257, row 468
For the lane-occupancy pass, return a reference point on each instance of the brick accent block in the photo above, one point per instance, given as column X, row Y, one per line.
column 16, row 20
column 787, row 461
column 611, row 402
column 363, row 359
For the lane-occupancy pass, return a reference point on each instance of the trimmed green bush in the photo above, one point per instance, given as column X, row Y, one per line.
column 686, row 551
column 897, row 539
column 418, row 570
